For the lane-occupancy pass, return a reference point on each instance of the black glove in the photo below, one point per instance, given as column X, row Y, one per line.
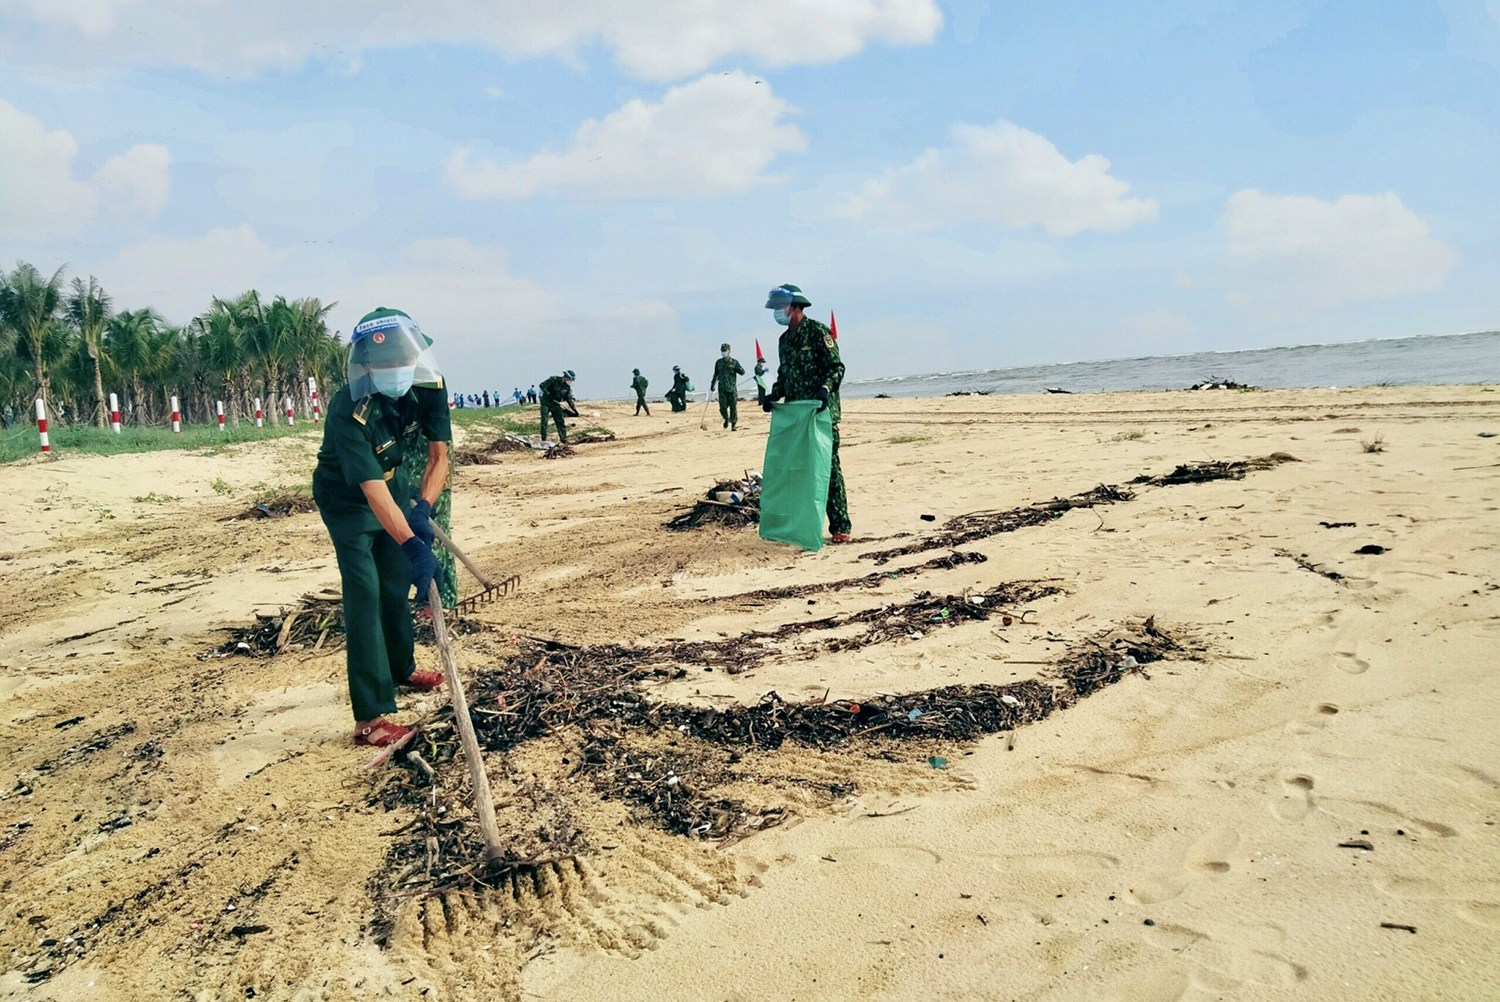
column 425, row 569
column 822, row 397
column 420, row 520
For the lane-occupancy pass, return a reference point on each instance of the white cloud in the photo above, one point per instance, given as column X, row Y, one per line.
column 138, row 182
column 999, row 174
column 178, row 276
column 715, row 135
column 462, row 293
column 657, row 40
column 1291, row 252
column 39, row 195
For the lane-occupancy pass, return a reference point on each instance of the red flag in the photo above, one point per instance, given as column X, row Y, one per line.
column 833, row 325
column 758, row 356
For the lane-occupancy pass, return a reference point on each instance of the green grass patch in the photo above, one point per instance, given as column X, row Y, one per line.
column 22, row 442
column 908, row 439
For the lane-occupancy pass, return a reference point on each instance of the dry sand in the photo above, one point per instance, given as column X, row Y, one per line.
column 203, row 829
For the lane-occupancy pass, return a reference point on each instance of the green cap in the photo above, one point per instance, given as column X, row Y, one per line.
column 569, row 374
column 724, row 346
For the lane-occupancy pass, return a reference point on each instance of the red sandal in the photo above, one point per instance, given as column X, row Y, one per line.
column 381, row 733
column 840, row 537
column 420, row 678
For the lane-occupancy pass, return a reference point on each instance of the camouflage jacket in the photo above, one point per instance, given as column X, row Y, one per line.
column 556, row 389
column 808, row 358
column 638, row 384
column 725, row 371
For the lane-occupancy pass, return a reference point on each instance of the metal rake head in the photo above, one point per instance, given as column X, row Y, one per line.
column 494, row 592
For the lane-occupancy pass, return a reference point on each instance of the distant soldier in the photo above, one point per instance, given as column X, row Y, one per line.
column 760, row 378
column 556, row 391
column 486, row 399
column 638, row 384
column 677, row 395
column 726, row 369
column 809, row 368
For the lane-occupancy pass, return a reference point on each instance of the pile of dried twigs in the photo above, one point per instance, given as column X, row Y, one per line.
column 315, row 623
column 584, row 698
column 1198, row 473
column 719, row 507
column 279, row 506
column 983, row 524
column 872, row 580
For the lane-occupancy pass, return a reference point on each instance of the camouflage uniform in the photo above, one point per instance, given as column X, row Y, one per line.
column 638, row 384
column 725, row 371
column 808, row 360
column 556, row 391
column 677, row 396
column 413, row 465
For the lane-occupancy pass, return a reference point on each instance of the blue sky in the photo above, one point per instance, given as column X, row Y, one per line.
column 604, row 186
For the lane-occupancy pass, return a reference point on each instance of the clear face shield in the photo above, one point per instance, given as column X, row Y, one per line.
column 778, row 300
column 389, row 355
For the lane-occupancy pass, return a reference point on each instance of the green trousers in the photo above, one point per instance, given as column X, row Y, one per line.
column 377, row 617
column 640, row 404
column 552, row 409
column 838, row 501
column 729, row 407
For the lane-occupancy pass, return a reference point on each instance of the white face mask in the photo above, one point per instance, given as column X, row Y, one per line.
column 393, row 382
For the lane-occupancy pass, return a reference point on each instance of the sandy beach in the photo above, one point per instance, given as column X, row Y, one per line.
column 1302, row 801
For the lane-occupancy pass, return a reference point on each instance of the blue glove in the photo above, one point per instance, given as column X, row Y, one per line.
column 420, row 520
column 425, row 569
column 822, row 397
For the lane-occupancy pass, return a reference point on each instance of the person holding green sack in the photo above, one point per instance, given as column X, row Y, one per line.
column 809, row 368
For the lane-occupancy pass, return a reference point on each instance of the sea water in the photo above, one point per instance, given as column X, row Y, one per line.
column 1408, row 361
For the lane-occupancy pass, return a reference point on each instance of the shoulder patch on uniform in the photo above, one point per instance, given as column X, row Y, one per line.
column 828, row 340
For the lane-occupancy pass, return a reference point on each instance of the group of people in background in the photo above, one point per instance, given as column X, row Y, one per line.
column 517, row 396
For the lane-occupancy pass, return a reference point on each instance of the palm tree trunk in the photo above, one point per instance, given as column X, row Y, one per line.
column 99, row 388
column 43, row 390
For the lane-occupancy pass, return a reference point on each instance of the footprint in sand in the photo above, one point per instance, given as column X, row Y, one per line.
column 1350, row 662
column 1476, row 902
column 1316, row 721
column 1296, row 801
column 1208, row 856
column 1230, row 955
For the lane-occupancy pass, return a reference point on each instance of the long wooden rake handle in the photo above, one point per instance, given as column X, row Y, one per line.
column 448, row 545
column 484, row 800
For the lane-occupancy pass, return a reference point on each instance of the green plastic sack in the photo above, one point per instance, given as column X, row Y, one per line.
column 794, row 476
column 689, row 386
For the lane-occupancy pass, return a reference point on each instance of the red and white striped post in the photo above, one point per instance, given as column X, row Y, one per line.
column 176, row 415
column 41, row 423
column 114, row 413
column 289, row 419
column 260, row 417
column 220, row 405
column 312, row 388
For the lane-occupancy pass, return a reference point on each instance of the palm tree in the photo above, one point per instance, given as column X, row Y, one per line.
column 89, row 310
column 29, row 306
column 130, row 354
